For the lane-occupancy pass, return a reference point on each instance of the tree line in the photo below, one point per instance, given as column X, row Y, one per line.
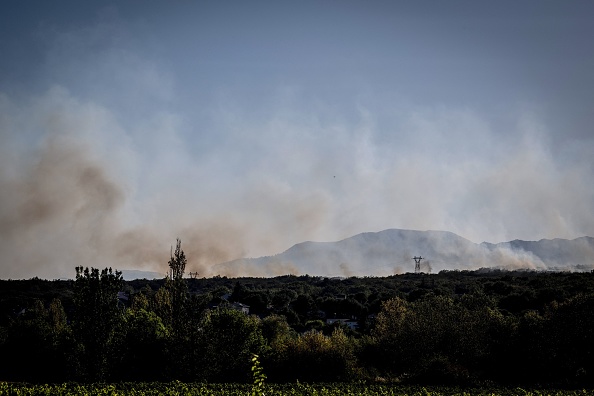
column 455, row 327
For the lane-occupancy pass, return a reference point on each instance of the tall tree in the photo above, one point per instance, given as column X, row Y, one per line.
column 178, row 261
column 97, row 319
column 146, row 338
column 33, row 350
column 229, row 338
column 174, row 306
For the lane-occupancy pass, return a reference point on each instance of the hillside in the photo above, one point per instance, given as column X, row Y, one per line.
column 390, row 252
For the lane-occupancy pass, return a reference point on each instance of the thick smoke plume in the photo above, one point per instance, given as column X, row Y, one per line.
column 72, row 193
column 106, row 157
column 77, row 187
column 123, row 128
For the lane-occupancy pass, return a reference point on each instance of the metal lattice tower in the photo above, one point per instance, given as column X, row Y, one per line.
column 417, row 264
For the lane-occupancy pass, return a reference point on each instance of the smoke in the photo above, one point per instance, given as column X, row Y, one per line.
column 80, row 188
column 76, row 190
column 61, row 209
column 344, row 268
column 111, row 158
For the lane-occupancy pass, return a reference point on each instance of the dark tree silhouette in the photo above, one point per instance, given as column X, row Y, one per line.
column 97, row 318
column 178, row 261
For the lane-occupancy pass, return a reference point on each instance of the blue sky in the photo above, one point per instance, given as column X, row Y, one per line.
column 245, row 127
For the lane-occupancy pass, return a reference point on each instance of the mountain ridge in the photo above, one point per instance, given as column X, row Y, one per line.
column 390, row 251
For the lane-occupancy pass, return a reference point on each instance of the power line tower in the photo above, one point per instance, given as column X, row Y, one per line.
column 417, row 264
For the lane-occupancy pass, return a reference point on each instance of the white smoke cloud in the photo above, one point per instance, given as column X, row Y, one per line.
column 87, row 190
column 107, row 166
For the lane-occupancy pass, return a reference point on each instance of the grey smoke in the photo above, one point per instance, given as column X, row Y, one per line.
column 112, row 145
column 391, row 252
column 78, row 187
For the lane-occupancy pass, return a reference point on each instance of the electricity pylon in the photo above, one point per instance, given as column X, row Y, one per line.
column 417, row 264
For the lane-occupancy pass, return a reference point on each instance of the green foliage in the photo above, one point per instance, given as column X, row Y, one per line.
column 177, row 262
column 228, row 340
column 33, row 343
column 300, row 389
column 313, row 356
column 457, row 327
column 436, row 338
column 145, row 339
column 258, row 375
column 97, row 321
column 276, row 330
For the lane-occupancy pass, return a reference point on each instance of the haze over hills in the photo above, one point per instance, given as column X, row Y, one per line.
column 129, row 274
column 390, row 252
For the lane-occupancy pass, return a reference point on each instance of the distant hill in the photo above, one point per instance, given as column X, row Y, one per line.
column 391, row 251
column 129, row 275
column 553, row 254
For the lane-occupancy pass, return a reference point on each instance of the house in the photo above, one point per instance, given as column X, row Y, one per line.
column 123, row 296
column 350, row 323
column 241, row 307
column 236, row 306
column 123, row 299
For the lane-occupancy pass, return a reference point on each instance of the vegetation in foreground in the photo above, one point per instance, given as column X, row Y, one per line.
column 298, row 389
column 455, row 328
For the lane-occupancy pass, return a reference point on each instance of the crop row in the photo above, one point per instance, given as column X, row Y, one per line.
column 298, row 389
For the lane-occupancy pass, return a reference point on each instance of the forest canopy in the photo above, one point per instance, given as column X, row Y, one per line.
column 454, row 327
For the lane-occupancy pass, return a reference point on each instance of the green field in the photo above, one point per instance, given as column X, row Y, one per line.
column 298, row 389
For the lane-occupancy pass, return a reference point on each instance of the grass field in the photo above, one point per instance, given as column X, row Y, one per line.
column 298, row 389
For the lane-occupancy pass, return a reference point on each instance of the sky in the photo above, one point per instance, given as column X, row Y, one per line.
column 245, row 127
